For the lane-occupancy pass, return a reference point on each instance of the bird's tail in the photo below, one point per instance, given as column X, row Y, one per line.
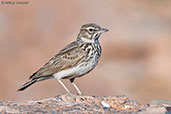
column 27, row 84
column 32, row 81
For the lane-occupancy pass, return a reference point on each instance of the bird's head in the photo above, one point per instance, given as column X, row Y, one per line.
column 90, row 32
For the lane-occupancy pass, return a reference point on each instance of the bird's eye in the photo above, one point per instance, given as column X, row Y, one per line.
column 91, row 30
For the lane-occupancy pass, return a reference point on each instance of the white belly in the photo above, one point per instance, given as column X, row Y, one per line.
column 77, row 71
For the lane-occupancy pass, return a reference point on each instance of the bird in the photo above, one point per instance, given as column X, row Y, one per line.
column 74, row 60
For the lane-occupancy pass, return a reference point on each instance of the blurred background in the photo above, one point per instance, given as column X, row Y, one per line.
column 136, row 52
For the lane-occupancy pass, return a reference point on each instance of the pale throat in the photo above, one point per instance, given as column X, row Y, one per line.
column 87, row 40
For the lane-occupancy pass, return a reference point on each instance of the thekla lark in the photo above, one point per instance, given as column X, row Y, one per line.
column 74, row 60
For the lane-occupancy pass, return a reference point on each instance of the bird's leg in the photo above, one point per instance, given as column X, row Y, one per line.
column 65, row 87
column 76, row 87
column 79, row 92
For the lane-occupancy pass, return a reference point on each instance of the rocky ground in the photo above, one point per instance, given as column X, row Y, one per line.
column 86, row 104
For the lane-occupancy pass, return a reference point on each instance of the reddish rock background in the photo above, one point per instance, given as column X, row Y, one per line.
column 136, row 57
column 85, row 105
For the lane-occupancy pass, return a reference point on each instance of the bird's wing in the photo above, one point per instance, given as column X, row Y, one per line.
column 66, row 58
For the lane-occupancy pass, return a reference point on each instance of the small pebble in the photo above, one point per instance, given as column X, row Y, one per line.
column 105, row 105
column 59, row 99
column 168, row 109
column 81, row 99
column 84, row 108
column 134, row 102
column 126, row 106
column 39, row 102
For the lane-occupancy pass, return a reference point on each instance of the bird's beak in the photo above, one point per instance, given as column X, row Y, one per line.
column 102, row 30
